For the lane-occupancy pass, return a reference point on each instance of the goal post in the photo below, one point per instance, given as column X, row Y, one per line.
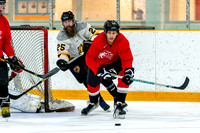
column 30, row 44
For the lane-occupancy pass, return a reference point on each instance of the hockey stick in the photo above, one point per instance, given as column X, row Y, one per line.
column 20, row 95
column 31, row 72
column 73, row 59
column 182, row 87
column 49, row 74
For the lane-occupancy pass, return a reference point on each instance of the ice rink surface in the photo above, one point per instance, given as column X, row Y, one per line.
column 142, row 117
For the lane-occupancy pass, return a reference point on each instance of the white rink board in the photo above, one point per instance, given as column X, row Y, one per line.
column 165, row 57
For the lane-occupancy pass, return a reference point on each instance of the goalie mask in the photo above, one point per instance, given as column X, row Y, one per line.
column 67, row 16
column 111, row 25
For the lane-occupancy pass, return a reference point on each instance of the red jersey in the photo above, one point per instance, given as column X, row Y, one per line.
column 5, row 37
column 101, row 53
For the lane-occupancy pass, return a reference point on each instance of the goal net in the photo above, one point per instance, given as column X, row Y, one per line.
column 31, row 46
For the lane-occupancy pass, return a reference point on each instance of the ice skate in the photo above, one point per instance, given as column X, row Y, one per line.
column 5, row 109
column 119, row 110
column 89, row 108
column 105, row 106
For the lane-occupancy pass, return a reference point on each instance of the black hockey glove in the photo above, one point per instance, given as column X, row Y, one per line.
column 104, row 74
column 17, row 64
column 62, row 64
column 129, row 73
column 86, row 45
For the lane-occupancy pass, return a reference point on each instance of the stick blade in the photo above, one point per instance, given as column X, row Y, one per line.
column 51, row 73
column 184, row 85
column 14, row 97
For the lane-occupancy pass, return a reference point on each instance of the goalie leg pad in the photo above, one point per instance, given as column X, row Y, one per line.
column 28, row 103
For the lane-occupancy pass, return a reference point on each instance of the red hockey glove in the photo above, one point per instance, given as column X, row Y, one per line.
column 17, row 64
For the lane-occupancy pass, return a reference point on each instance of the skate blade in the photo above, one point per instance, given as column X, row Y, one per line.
column 117, row 116
column 120, row 117
column 108, row 110
column 6, row 119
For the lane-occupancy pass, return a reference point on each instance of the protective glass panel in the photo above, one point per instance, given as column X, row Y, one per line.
column 178, row 10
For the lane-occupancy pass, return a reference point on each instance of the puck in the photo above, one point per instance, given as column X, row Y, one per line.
column 117, row 124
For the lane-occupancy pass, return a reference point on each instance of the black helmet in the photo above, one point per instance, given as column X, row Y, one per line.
column 2, row 2
column 111, row 25
column 67, row 16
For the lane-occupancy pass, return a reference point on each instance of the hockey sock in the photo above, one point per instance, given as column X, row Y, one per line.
column 94, row 99
column 100, row 97
column 120, row 97
column 111, row 87
column 3, row 91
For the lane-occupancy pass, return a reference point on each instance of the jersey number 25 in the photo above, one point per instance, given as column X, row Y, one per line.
column 60, row 47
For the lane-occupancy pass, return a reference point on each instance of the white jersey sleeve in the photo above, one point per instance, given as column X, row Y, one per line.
column 63, row 45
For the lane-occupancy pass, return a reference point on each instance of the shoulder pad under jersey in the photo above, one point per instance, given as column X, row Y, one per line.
column 62, row 36
column 80, row 26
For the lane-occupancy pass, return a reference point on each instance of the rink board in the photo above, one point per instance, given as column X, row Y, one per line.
column 165, row 57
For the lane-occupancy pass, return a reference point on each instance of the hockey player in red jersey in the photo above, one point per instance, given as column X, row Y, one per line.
column 6, row 47
column 109, row 52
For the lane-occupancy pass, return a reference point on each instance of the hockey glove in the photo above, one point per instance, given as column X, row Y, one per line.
column 86, row 45
column 17, row 64
column 62, row 64
column 129, row 73
column 105, row 75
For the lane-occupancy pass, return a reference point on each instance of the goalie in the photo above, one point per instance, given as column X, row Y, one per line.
column 29, row 103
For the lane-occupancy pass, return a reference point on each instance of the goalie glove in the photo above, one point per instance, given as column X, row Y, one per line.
column 105, row 75
column 129, row 73
column 62, row 64
column 17, row 64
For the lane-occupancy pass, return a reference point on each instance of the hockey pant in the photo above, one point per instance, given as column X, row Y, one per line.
column 94, row 82
column 79, row 69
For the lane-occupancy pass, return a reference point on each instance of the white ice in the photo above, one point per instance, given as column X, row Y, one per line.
column 142, row 117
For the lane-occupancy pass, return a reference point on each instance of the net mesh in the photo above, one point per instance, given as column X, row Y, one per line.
column 29, row 47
